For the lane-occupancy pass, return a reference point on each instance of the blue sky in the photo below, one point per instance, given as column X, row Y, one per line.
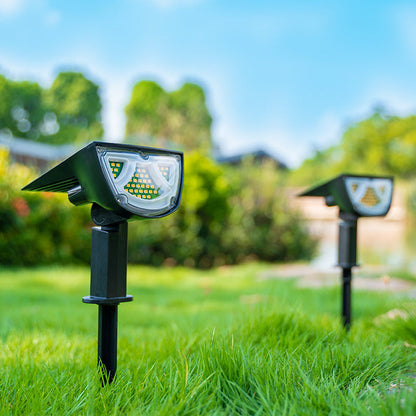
column 287, row 76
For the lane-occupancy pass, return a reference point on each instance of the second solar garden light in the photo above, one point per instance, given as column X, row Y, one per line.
column 123, row 182
column 356, row 196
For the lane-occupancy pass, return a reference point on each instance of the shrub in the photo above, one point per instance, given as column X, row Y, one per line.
column 38, row 228
column 226, row 216
column 191, row 236
column 261, row 223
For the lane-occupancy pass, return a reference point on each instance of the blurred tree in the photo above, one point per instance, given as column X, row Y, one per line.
column 69, row 112
column 146, row 110
column 181, row 116
column 381, row 144
column 21, row 108
column 189, row 121
column 74, row 110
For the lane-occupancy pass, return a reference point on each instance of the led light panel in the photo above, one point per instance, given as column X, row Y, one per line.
column 370, row 196
column 143, row 183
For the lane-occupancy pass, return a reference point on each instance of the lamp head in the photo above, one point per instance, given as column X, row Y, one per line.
column 122, row 181
column 362, row 196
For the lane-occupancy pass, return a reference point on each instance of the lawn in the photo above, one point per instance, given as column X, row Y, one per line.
column 220, row 342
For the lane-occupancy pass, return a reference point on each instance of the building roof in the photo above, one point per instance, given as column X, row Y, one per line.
column 35, row 150
column 257, row 155
column 25, row 150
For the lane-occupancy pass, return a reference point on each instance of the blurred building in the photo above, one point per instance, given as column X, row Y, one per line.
column 35, row 154
column 43, row 155
column 258, row 156
column 382, row 239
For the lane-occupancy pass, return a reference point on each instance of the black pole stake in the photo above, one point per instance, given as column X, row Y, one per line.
column 107, row 341
column 108, row 289
column 347, row 258
column 346, row 297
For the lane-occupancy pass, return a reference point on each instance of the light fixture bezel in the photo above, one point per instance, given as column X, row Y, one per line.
column 133, row 203
column 366, row 183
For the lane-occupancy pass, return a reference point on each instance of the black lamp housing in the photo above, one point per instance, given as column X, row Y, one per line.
column 89, row 177
column 123, row 182
column 356, row 196
column 359, row 195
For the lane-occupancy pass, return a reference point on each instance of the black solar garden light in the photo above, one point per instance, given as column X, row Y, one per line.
column 356, row 196
column 123, row 182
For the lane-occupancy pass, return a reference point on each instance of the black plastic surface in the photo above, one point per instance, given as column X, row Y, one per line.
column 81, row 175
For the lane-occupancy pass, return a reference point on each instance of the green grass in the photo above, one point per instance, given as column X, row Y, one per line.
column 219, row 342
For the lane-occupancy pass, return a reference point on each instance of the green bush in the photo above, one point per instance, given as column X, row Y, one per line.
column 261, row 223
column 38, row 228
column 226, row 216
column 192, row 236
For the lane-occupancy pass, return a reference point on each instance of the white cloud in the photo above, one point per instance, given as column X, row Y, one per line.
column 11, row 7
column 115, row 96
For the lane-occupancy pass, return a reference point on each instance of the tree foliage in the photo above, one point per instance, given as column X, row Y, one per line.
column 180, row 116
column 381, row 144
column 146, row 108
column 68, row 112
column 21, row 108
column 76, row 103
column 384, row 144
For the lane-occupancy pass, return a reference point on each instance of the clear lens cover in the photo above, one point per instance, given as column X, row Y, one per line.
column 370, row 196
column 144, row 184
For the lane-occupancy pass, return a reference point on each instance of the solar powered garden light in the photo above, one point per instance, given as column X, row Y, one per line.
column 356, row 196
column 123, row 182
